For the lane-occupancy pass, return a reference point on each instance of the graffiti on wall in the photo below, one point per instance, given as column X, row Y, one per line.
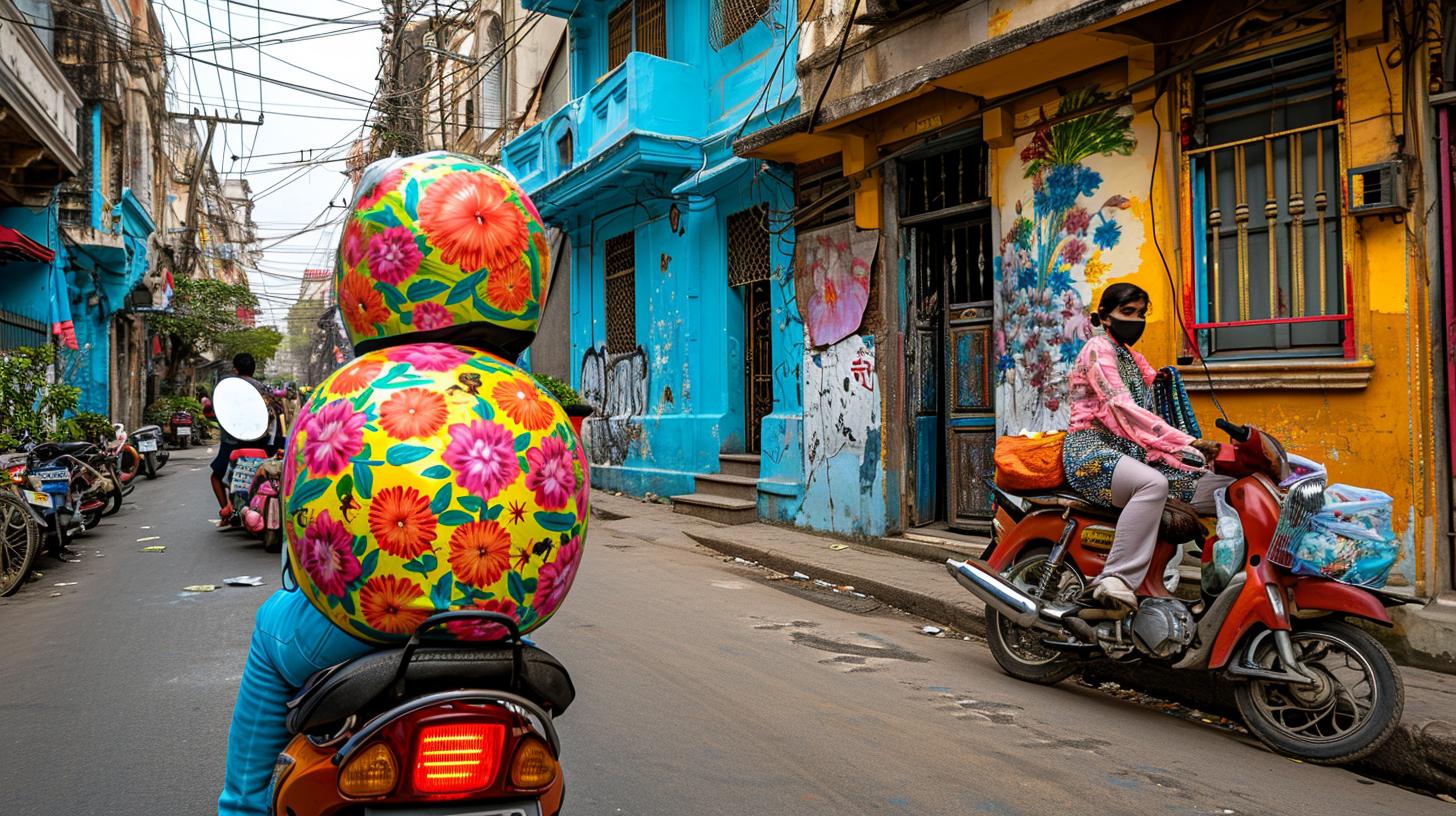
column 842, row 473
column 832, row 277
column 1068, row 229
column 616, row 387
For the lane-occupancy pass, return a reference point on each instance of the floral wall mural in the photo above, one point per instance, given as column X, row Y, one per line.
column 833, row 280
column 1066, row 191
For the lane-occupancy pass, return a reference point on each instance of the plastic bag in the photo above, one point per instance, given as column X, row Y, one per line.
column 1351, row 540
column 1228, row 546
column 1031, row 462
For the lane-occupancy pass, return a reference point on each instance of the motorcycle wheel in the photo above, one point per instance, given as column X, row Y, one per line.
column 92, row 517
column 1349, row 713
column 1018, row 650
column 149, row 465
column 128, row 464
column 63, row 538
column 114, row 499
column 19, row 542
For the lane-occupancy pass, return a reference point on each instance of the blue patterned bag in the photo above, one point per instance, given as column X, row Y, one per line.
column 1351, row 540
column 1171, row 398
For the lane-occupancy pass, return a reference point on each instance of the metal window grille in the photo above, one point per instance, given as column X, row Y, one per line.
column 619, row 34
column 636, row 25
column 18, row 331
column 943, row 181
column 652, row 27
column 730, row 19
column 1265, row 182
column 621, row 269
column 748, row 247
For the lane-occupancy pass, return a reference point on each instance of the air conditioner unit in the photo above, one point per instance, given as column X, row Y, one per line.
column 1377, row 189
column 886, row 11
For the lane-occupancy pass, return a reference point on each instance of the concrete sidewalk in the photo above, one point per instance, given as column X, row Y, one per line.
column 1421, row 754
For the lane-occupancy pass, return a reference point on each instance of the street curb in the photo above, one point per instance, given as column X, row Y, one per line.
column 967, row 616
column 1421, row 756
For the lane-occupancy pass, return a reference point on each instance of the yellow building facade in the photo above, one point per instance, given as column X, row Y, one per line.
column 1202, row 151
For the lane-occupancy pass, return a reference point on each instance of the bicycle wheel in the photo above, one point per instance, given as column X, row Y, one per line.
column 19, row 542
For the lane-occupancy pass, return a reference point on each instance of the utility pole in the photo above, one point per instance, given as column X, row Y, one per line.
column 395, row 131
column 198, row 167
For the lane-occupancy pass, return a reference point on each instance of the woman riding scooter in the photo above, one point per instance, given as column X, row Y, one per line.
column 1118, row 451
column 429, row 473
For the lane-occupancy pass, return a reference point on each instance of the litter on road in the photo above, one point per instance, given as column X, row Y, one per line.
column 65, row 583
column 244, row 580
column 838, row 546
column 155, row 548
column 799, row 576
column 148, row 538
column 931, row 630
column 57, row 594
column 200, row 588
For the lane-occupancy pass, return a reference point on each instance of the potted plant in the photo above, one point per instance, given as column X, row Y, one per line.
column 576, row 408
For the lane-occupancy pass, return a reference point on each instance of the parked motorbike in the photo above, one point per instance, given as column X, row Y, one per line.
column 181, row 424
column 124, row 457
column 148, row 440
column 447, row 729
column 20, row 525
column 263, row 513
column 1307, row 683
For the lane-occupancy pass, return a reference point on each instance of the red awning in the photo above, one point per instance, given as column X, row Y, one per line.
column 16, row 247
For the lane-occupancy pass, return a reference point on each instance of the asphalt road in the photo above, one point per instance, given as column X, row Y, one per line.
column 704, row 687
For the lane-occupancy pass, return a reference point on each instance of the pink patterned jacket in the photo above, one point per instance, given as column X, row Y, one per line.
column 1100, row 398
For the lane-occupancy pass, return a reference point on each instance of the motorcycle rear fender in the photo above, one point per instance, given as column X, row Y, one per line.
column 1040, row 528
column 1331, row 596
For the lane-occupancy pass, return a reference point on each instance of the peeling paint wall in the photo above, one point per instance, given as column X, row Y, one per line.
column 843, row 477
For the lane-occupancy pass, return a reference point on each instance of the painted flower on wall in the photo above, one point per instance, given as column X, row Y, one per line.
column 1051, row 254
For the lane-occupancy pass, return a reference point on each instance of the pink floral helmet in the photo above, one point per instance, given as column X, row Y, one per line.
column 442, row 247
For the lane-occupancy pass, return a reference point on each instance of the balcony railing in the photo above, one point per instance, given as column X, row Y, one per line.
column 645, row 96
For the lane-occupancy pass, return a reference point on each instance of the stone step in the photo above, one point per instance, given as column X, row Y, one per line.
column 930, row 547
column 739, row 464
column 731, row 487
column 721, row 509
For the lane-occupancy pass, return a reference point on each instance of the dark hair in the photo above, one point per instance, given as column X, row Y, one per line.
column 1115, row 297
column 243, row 362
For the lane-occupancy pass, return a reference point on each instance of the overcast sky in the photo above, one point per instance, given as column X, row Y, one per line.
column 298, row 125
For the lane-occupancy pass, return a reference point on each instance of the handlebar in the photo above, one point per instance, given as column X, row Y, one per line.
column 1238, row 433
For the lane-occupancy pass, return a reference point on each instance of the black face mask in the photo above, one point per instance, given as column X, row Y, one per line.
column 1127, row 332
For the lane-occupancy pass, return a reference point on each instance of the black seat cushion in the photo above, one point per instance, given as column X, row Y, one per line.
column 1180, row 523
column 333, row 694
column 51, row 450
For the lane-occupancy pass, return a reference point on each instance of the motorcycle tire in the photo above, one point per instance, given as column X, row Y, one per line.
column 20, row 539
column 113, row 501
column 1313, row 741
column 1009, row 643
column 91, row 518
column 62, row 538
column 149, row 465
column 128, row 464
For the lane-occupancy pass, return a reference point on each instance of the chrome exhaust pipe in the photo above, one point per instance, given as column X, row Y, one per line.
column 1006, row 598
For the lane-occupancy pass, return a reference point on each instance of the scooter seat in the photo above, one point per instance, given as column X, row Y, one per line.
column 1180, row 522
column 334, row 694
column 1069, row 500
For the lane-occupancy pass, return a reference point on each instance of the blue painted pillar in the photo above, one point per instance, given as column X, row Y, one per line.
column 98, row 164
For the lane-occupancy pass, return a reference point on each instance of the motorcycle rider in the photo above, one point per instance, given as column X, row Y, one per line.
column 1118, row 452
column 464, row 393
column 244, row 366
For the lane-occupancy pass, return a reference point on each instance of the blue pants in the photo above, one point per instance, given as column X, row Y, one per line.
column 291, row 640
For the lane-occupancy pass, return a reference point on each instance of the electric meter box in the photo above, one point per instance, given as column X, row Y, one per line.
column 1377, row 189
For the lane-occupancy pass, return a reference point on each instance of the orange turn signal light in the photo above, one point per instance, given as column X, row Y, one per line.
column 534, row 765
column 373, row 772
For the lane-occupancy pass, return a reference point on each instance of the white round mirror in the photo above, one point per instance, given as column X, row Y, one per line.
column 240, row 409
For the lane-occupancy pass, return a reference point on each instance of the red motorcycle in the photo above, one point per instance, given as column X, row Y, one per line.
column 1308, row 684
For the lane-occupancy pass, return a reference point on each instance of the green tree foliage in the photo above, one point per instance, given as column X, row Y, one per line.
column 203, row 311
column 260, row 341
column 28, row 404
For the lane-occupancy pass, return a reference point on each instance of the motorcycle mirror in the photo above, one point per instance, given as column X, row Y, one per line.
column 240, row 409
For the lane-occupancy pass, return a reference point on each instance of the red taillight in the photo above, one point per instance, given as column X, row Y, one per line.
column 457, row 757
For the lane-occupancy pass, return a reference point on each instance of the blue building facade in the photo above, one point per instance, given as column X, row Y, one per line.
column 681, row 286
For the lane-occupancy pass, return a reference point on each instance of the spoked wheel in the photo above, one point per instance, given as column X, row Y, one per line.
column 1018, row 650
column 116, row 496
column 1351, row 709
column 19, row 542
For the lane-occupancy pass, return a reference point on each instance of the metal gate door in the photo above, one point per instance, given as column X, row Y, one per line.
column 757, row 362
column 964, row 254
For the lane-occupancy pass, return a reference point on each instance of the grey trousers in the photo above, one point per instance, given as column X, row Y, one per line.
column 1141, row 492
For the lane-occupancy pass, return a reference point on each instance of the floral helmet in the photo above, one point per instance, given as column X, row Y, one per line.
column 426, row 477
column 442, row 247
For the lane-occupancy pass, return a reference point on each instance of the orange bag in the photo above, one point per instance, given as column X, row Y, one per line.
column 1029, row 463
